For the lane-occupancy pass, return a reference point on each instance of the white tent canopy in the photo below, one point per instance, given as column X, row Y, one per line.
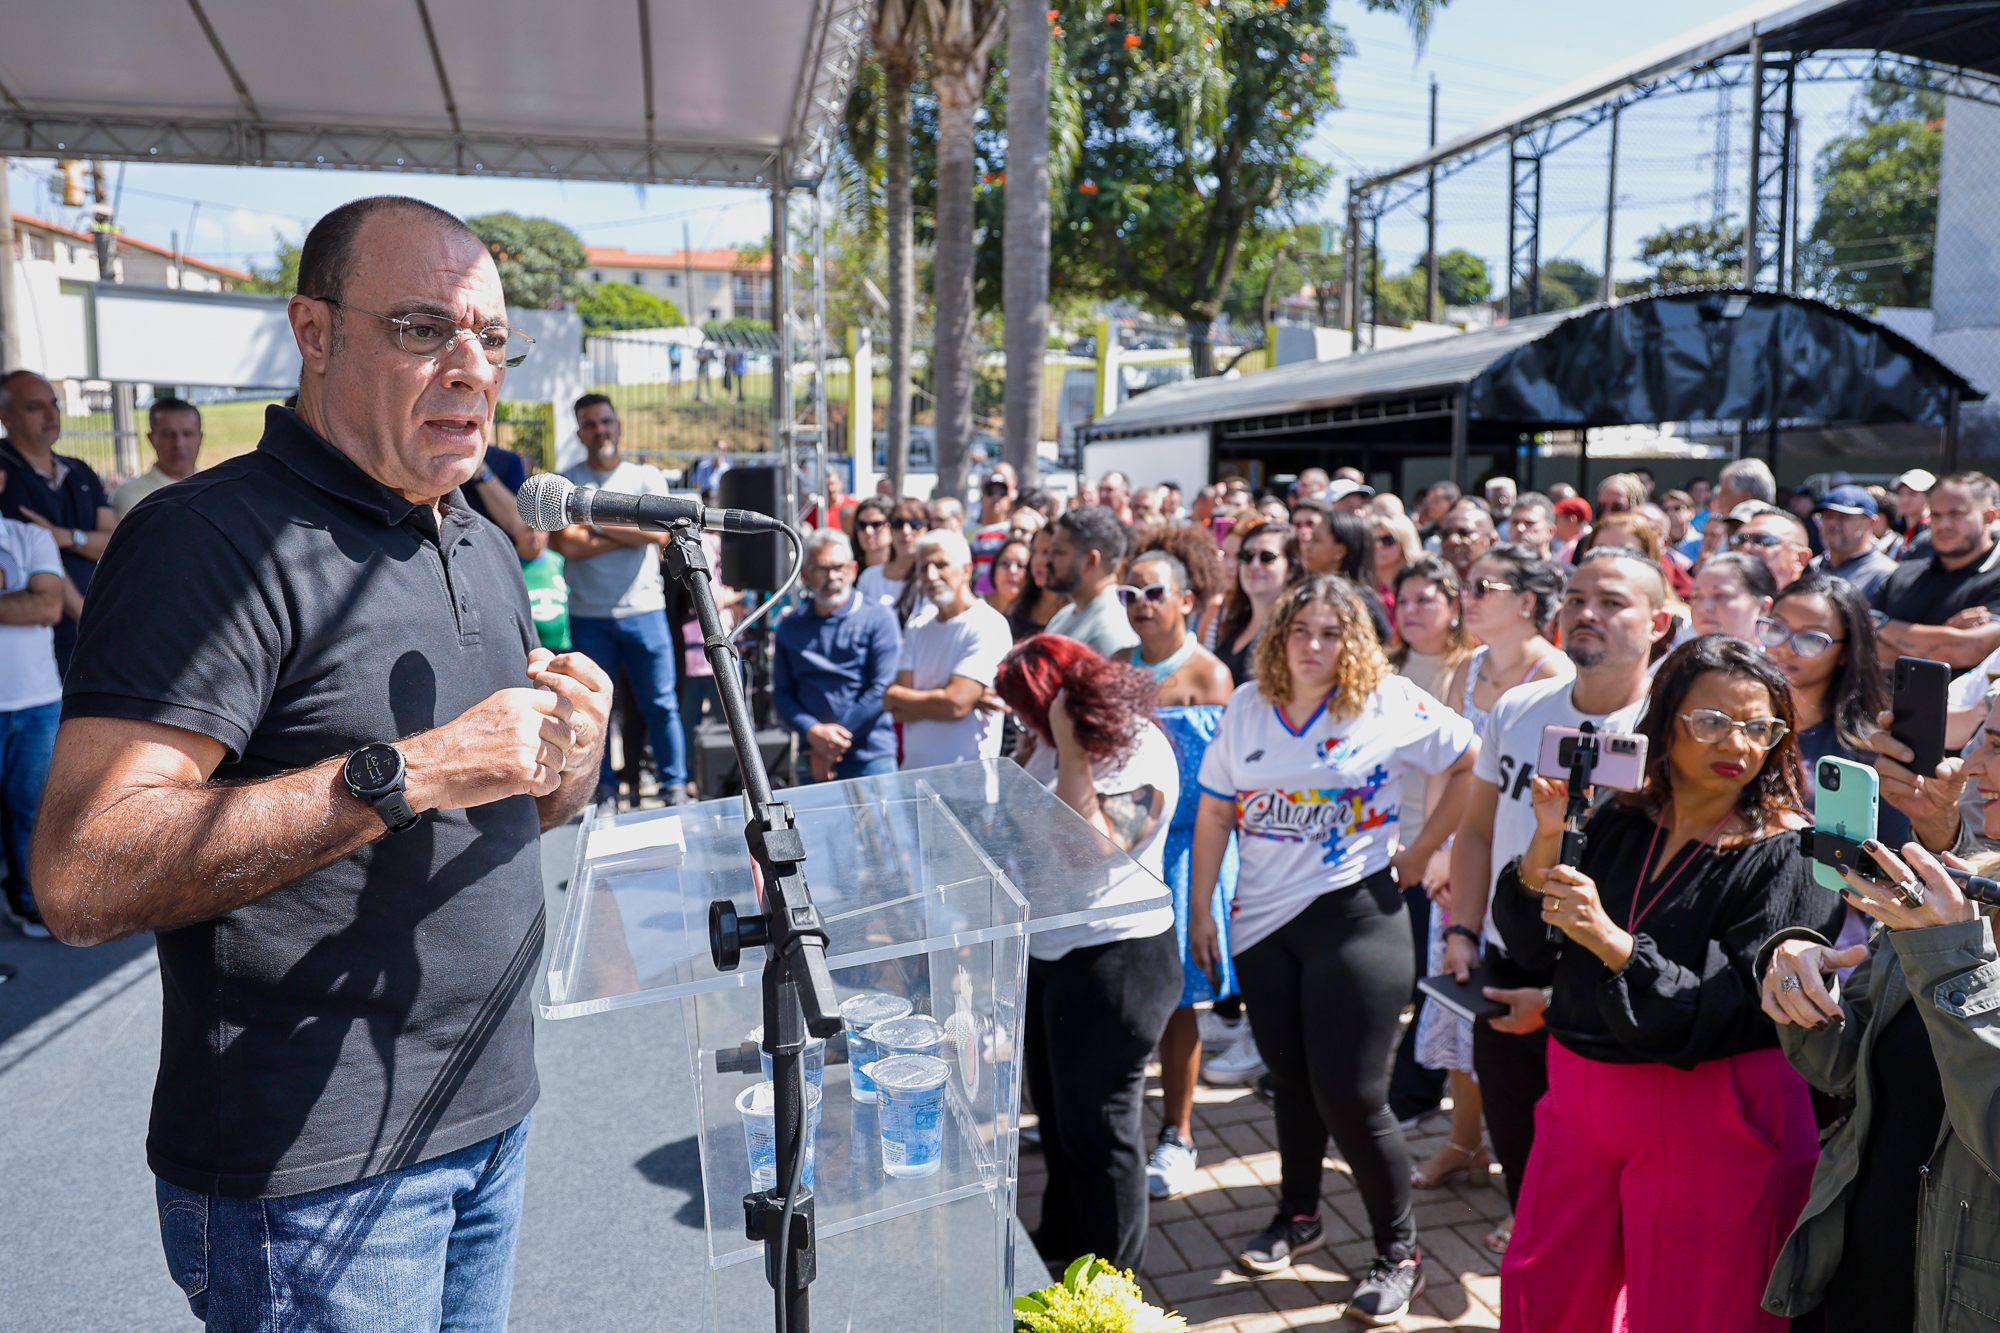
column 645, row 91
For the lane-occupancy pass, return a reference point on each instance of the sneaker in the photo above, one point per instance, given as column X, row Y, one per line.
column 32, row 927
column 1171, row 1166
column 1236, row 1066
column 674, row 793
column 1217, row 1031
column 1283, row 1241
column 606, row 800
column 1393, row 1281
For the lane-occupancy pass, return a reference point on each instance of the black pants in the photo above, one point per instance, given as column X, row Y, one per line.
column 1093, row 1018
column 1513, row 1074
column 1326, row 992
column 1414, row 1089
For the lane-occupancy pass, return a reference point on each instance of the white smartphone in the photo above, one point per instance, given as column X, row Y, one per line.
column 1621, row 757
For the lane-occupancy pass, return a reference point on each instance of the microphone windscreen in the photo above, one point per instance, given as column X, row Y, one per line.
column 544, row 501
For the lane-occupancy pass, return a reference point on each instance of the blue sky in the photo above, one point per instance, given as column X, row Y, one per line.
column 1486, row 54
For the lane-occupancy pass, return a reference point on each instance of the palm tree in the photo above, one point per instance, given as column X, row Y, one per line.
column 963, row 34
column 1025, row 246
column 896, row 34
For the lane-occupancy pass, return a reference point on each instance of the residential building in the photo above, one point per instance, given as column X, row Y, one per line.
column 133, row 261
column 727, row 284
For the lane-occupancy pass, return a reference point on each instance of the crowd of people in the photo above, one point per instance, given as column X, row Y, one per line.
column 1318, row 717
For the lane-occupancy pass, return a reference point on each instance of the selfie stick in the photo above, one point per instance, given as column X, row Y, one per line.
column 1582, row 761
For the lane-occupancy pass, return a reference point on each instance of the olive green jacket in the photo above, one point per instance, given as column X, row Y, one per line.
column 1952, row 974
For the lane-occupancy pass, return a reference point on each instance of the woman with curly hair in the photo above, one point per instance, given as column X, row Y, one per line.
column 1308, row 770
column 1098, row 995
column 1675, row 1146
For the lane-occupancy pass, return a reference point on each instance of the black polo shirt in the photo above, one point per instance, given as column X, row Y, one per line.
column 374, row 1013
column 72, row 502
column 1924, row 592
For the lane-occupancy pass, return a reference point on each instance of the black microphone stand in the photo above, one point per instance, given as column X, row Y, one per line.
column 798, row 989
column 1582, row 762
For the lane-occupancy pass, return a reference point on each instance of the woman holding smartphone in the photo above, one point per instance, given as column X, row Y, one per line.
column 1901, row 1228
column 1675, row 1144
column 1307, row 769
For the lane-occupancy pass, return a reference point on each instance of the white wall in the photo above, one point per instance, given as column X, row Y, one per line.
column 229, row 339
column 1182, row 457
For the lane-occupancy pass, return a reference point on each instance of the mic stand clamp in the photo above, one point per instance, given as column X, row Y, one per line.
column 797, row 987
column 1582, row 762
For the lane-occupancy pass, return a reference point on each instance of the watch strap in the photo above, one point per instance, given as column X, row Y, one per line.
column 396, row 810
column 1467, row 931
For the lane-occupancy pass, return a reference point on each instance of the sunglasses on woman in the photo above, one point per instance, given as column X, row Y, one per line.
column 1156, row 593
column 1711, row 725
column 1480, row 587
column 905, row 524
column 875, row 525
column 1385, row 540
column 1804, row 642
column 1261, row 557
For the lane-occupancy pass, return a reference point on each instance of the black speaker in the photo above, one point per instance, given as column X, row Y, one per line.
column 755, row 561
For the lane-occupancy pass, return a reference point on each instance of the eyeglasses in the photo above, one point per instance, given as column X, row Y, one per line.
column 1155, row 593
column 434, row 336
column 1804, row 642
column 1711, row 725
column 1739, row 540
column 1261, row 557
column 996, row 488
column 823, row 570
column 1009, row 566
column 1480, row 587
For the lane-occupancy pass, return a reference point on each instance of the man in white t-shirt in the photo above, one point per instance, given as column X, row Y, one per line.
column 943, row 693
column 1612, row 613
column 31, row 602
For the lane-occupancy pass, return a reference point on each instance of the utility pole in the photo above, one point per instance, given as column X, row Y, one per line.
column 1350, row 272
column 100, row 225
column 11, row 338
column 1610, row 208
column 1431, row 220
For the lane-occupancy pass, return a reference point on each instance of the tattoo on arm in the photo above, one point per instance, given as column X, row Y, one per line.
column 1132, row 815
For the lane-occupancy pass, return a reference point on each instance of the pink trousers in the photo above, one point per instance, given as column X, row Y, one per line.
column 1657, row 1199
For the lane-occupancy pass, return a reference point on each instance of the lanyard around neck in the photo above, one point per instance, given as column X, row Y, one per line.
column 1635, row 914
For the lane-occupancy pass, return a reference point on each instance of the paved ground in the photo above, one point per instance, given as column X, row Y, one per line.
column 1189, row 1261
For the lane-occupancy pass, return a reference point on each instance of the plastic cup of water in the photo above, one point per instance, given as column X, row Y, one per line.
column 859, row 1013
column 912, row 1090
column 815, row 1056
column 914, row 1034
column 759, row 1111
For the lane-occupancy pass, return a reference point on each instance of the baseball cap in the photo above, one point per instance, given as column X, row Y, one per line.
column 1575, row 507
column 1750, row 509
column 1849, row 500
column 999, row 479
column 1916, row 479
column 1341, row 489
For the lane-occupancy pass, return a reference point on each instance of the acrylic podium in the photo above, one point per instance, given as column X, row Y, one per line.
column 930, row 882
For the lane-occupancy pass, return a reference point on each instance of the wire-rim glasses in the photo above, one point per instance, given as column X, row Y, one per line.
column 433, row 336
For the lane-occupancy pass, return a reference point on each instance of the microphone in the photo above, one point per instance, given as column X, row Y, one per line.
column 549, row 501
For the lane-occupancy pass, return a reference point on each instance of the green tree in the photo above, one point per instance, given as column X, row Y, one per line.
column 620, row 305
column 1566, row 284
column 1197, row 117
column 1693, row 254
column 538, row 258
column 282, row 278
column 1462, row 280
column 1874, row 236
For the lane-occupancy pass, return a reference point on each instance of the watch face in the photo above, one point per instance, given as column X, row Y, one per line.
column 372, row 767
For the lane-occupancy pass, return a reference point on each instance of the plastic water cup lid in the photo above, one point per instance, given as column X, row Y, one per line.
column 756, row 1038
column 916, row 1030
column 760, row 1098
column 909, row 1073
column 861, row 1011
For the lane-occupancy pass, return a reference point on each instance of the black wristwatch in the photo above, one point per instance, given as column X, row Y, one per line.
column 1467, row 931
column 375, row 774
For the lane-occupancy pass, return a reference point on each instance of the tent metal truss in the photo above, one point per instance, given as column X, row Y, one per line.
column 1770, row 258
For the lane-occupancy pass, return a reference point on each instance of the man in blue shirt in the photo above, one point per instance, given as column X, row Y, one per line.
column 836, row 655
column 56, row 493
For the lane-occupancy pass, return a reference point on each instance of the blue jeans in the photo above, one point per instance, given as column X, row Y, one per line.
column 851, row 767
column 27, row 740
column 644, row 645
column 428, row 1247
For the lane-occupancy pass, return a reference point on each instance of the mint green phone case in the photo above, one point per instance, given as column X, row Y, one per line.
column 1847, row 810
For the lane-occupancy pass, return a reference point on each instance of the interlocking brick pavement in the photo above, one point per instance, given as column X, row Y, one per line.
column 1190, row 1265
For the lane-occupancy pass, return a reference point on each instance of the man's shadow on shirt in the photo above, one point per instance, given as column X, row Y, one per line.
column 369, row 974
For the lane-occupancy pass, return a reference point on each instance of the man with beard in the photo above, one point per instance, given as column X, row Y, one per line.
column 618, row 602
column 836, row 655
column 1924, row 599
column 1083, row 563
column 943, row 693
column 1613, row 611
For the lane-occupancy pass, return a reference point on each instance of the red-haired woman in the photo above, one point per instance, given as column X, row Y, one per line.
column 1099, row 995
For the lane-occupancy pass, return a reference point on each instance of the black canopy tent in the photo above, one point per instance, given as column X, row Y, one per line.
column 1755, row 364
